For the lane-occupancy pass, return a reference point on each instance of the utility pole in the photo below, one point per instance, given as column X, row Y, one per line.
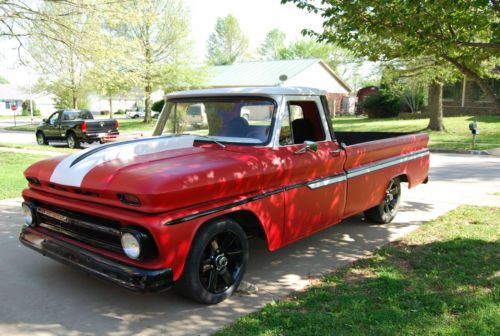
column 31, row 98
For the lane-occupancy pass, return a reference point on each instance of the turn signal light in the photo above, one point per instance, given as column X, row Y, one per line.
column 33, row 180
column 129, row 199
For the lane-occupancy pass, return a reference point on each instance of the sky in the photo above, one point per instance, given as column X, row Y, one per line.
column 256, row 18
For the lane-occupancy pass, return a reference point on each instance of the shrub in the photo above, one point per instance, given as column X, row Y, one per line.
column 26, row 108
column 158, row 105
column 120, row 111
column 381, row 105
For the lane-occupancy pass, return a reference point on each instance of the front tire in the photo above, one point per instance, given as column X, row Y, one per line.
column 40, row 138
column 216, row 263
column 73, row 141
column 386, row 211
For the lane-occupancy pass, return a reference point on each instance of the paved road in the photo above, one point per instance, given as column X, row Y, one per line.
column 39, row 296
column 17, row 137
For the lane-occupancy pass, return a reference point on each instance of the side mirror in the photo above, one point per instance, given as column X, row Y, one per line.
column 44, row 120
column 308, row 145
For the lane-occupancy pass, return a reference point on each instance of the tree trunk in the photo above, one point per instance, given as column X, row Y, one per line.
column 110, row 107
column 147, row 103
column 75, row 101
column 436, row 106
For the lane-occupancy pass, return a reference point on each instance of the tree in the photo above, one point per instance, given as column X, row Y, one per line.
column 273, row 44
column 460, row 32
column 409, row 78
column 227, row 44
column 151, row 36
column 21, row 19
column 62, row 60
column 64, row 95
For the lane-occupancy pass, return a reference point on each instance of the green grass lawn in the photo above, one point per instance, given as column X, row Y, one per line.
column 12, row 166
column 457, row 135
column 443, row 279
column 38, row 147
column 26, row 127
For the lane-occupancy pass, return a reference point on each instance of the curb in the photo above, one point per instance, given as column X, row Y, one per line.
column 468, row 152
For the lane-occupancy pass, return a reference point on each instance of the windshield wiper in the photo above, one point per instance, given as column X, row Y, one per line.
column 207, row 138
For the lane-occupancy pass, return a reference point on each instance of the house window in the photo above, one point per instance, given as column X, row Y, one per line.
column 478, row 94
column 452, row 91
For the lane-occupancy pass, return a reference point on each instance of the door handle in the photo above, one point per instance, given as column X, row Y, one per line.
column 336, row 152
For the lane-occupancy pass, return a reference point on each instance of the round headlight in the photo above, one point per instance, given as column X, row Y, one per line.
column 131, row 245
column 27, row 214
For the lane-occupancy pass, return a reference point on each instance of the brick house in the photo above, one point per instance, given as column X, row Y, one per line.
column 466, row 97
column 307, row 72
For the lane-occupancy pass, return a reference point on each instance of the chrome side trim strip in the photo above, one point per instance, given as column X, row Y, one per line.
column 327, row 181
column 315, row 184
column 385, row 164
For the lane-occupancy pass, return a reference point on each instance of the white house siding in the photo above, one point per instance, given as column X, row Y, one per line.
column 45, row 104
column 98, row 103
column 317, row 76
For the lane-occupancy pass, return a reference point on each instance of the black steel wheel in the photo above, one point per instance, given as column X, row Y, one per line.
column 40, row 138
column 73, row 141
column 216, row 262
column 386, row 211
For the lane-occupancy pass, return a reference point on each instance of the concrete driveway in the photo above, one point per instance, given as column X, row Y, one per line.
column 39, row 296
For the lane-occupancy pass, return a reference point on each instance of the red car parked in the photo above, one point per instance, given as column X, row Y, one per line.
column 178, row 207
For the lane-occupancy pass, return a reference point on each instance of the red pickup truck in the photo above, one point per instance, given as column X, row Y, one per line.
column 178, row 207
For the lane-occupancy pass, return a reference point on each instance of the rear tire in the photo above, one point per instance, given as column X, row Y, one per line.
column 40, row 138
column 386, row 211
column 73, row 141
column 216, row 263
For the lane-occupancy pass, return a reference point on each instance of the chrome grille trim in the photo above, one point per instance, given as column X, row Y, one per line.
column 77, row 222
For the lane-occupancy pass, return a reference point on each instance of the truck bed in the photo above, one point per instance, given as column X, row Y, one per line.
column 353, row 138
column 381, row 156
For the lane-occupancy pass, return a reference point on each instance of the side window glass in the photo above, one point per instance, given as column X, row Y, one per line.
column 286, row 131
column 53, row 119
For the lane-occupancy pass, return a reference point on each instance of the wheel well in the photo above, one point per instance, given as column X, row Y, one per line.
column 248, row 221
column 403, row 178
column 68, row 132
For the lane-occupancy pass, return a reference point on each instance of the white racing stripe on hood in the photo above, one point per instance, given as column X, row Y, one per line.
column 66, row 174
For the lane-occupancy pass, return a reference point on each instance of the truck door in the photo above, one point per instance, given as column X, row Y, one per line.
column 51, row 128
column 315, row 183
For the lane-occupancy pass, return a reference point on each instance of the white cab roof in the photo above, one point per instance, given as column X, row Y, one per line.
column 248, row 91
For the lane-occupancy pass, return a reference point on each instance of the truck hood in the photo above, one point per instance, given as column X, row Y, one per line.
column 165, row 173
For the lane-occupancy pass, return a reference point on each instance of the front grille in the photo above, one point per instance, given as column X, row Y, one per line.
column 91, row 230
column 75, row 190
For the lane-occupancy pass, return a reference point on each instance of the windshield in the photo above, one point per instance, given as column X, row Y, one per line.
column 231, row 120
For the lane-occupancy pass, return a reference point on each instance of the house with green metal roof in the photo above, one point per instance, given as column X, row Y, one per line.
column 307, row 73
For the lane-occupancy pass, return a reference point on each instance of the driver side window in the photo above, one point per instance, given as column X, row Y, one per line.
column 54, row 118
column 293, row 112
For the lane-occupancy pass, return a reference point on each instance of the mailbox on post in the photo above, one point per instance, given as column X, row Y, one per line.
column 475, row 131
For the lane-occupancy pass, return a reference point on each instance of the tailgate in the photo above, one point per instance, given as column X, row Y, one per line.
column 101, row 126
